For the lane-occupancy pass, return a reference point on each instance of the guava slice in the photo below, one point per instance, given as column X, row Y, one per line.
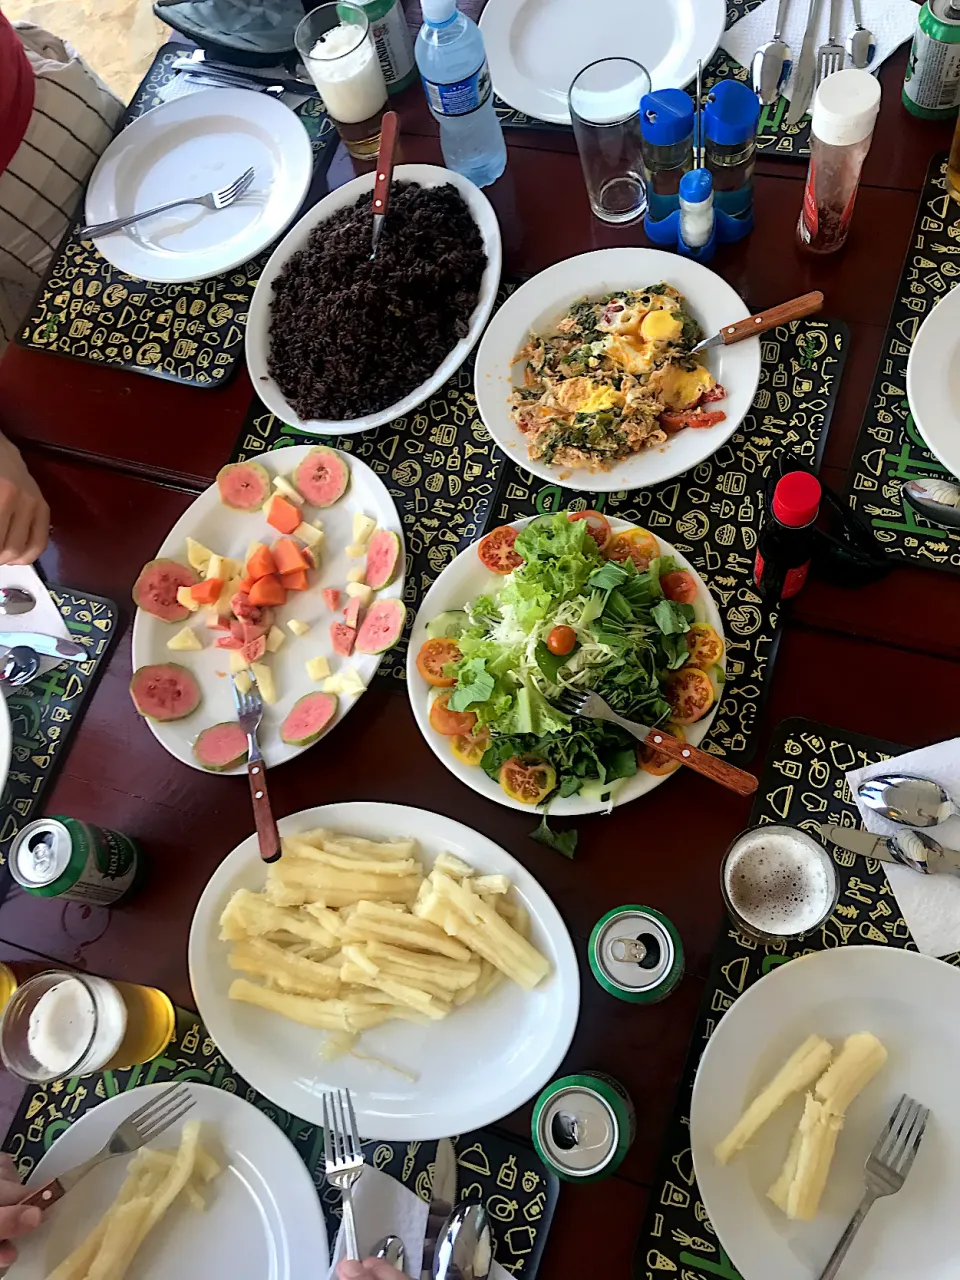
column 322, row 477
column 165, row 691
column 155, row 590
column 382, row 627
column 383, row 552
column 221, row 747
column 244, row 486
column 307, row 719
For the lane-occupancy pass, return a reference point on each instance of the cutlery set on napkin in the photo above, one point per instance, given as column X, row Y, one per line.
column 33, row 635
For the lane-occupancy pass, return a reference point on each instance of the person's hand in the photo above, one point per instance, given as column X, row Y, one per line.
column 24, row 516
column 368, row 1269
column 20, row 1222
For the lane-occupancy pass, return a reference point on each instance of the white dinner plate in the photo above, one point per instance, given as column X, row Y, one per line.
column 543, row 300
column 536, row 47
column 462, row 581
column 912, row 1004
column 262, row 1222
column 187, row 147
column 933, row 381
column 230, row 533
column 258, row 324
column 479, row 1064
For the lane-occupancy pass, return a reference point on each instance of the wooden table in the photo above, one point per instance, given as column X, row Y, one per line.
column 120, row 456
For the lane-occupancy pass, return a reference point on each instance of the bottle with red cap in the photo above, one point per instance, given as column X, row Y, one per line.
column 786, row 539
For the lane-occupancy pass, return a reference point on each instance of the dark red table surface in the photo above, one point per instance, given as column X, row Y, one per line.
column 120, row 457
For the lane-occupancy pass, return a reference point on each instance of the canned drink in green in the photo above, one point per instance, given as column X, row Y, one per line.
column 931, row 88
column 636, row 954
column 583, row 1126
column 61, row 857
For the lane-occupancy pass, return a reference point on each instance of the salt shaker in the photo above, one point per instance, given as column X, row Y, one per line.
column 844, row 114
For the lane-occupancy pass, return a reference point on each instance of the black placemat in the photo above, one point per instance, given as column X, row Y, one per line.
column 44, row 713
column 498, row 1168
column 774, row 136
column 191, row 333
column 889, row 449
column 802, row 785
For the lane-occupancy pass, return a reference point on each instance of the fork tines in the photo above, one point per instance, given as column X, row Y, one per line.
column 571, row 701
column 341, row 1140
column 897, row 1146
column 161, row 1112
column 237, row 188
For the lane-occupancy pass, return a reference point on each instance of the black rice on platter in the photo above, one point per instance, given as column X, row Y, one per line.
column 350, row 336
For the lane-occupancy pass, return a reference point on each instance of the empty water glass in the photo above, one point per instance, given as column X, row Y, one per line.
column 605, row 112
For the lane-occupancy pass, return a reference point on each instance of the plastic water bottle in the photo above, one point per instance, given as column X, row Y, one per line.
column 453, row 67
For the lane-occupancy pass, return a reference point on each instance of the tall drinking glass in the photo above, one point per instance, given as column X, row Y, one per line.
column 336, row 45
column 605, row 112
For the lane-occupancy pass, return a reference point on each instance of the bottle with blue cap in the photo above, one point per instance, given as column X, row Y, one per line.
column 667, row 126
column 730, row 147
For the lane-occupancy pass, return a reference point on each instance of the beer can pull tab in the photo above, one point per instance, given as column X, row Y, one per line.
column 626, row 949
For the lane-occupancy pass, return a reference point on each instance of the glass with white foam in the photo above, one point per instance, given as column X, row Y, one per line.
column 336, row 45
column 604, row 104
column 778, row 883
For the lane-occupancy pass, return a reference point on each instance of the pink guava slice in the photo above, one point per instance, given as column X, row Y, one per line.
column 382, row 627
column 308, row 718
column 322, row 477
column 244, row 486
column 221, row 747
column 164, row 691
column 155, row 590
column 383, row 552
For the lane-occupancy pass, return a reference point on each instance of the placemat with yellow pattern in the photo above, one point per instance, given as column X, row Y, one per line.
column 44, row 713
column 890, row 450
column 191, row 333
column 496, row 1167
column 802, row 785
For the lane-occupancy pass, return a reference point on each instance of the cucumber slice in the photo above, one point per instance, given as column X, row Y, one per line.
column 447, row 626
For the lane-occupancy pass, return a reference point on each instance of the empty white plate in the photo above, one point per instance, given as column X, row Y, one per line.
column 933, row 381
column 188, row 147
column 536, row 47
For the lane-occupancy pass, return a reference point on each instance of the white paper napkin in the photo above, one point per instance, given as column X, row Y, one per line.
column 44, row 616
column 891, row 21
column 930, row 904
column 382, row 1207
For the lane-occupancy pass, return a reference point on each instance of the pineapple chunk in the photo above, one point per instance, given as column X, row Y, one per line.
column 237, row 661
column 275, row 639
column 224, row 606
column 198, row 556
column 286, row 490
column 333, row 684
column 318, row 668
column 355, row 550
column 242, row 681
column 264, row 678
column 356, row 575
column 350, row 682
column 309, row 534
column 297, row 627
column 184, row 640
column 186, row 599
column 363, row 526
column 214, row 567
column 360, row 591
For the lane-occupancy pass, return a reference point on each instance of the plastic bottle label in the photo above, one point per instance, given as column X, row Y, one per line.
column 933, row 73
column 793, row 580
column 391, row 39
column 462, row 96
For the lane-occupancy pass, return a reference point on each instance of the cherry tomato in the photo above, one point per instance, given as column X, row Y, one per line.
column 704, row 645
column 689, row 693
column 469, row 747
column 496, row 550
column 528, row 779
column 680, row 586
column 561, row 640
column 448, row 722
column 433, row 657
column 716, row 392
column 654, row 761
column 638, row 545
column 672, row 422
column 598, row 526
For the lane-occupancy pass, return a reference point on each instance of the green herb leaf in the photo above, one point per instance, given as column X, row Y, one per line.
column 670, row 617
column 564, row 842
column 474, row 684
column 549, row 662
column 608, row 576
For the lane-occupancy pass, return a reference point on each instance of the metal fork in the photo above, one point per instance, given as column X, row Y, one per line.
column 885, row 1171
column 216, row 200
column 343, row 1157
column 830, row 55
column 590, row 705
column 140, row 1128
column 249, row 713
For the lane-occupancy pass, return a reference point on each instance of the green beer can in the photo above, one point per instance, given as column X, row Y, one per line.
column 635, row 954
column 931, row 88
column 583, row 1126
column 61, row 857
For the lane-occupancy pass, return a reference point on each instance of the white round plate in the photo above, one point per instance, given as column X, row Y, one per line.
column 536, row 47
column 187, row 147
column 912, row 1004
column 462, row 581
column 258, row 324
column 933, row 381
column 544, row 299
column 263, row 1219
column 229, row 533
column 479, row 1064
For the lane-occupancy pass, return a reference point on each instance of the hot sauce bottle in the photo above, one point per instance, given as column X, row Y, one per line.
column 786, row 539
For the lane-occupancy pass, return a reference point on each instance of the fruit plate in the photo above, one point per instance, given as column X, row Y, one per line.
column 475, row 1066
column 229, row 532
column 462, row 581
column 911, row 1003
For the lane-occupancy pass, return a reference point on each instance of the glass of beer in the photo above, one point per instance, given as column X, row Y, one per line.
column 336, row 45
column 778, row 883
column 60, row 1024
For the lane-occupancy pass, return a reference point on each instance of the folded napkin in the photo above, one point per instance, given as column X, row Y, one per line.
column 930, row 904
column 44, row 616
column 891, row 21
column 382, row 1207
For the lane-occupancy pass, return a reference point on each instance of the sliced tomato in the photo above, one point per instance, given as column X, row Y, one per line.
column 561, row 641
column 528, row 778
column 716, row 392
column 598, row 526
column 654, row 761
column 496, row 550
column 450, row 723
column 638, row 545
column 469, row 747
column 680, row 586
column 704, row 645
column 689, row 693
column 433, row 657
column 672, row 422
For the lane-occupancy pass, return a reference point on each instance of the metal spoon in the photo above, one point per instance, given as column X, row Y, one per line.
column 18, row 666
column 913, row 802
column 465, row 1247
column 773, row 62
column 938, row 500
column 391, row 1250
column 15, row 600
column 861, row 45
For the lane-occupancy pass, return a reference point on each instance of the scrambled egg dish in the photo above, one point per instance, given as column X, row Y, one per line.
column 615, row 377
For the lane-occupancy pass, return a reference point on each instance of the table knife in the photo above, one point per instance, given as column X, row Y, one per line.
column 443, row 1195
column 805, row 79
column 264, row 75
column 909, row 848
column 49, row 646
column 806, row 305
